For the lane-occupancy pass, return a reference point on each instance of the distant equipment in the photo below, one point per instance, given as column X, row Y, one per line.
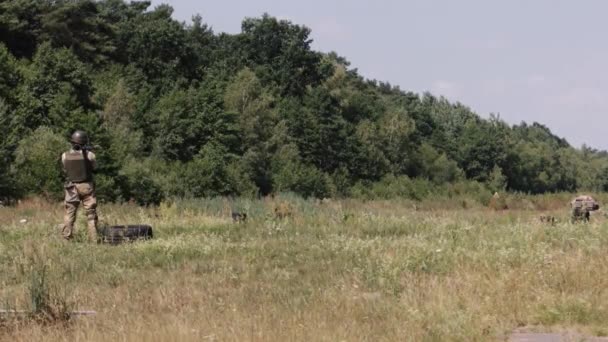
column 115, row 235
column 581, row 208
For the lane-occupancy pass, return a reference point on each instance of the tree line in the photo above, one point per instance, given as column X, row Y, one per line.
column 180, row 111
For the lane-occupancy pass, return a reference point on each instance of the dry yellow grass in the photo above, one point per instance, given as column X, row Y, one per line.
column 329, row 271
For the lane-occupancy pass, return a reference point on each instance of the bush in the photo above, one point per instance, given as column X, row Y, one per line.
column 418, row 189
column 438, row 167
column 392, row 186
column 476, row 190
column 108, row 188
column 141, row 186
column 305, row 180
column 37, row 166
column 290, row 174
column 207, row 174
column 241, row 180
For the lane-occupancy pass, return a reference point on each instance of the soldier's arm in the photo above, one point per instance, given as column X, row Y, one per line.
column 93, row 160
column 63, row 161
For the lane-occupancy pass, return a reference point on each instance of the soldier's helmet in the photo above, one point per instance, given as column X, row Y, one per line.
column 79, row 138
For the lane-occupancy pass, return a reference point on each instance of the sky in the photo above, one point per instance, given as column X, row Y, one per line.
column 525, row 60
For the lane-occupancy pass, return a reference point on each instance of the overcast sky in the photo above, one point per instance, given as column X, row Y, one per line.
column 530, row 60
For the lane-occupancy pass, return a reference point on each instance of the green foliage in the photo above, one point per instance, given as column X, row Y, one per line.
column 158, row 45
column 207, row 175
column 56, row 91
column 243, row 180
column 9, row 73
column 142, row 187
column 394, row 187
column 281, row 54
column 253, row 104
column 323, row 137
column 483, row 144
column 75, row 25
column 497, row 180
column 245, row 96
column 291, row 175
column 437, row 167
column 185, row 121
column 110, row 187
column 20, row 25
column 117, row 115
column 37, row 166
column 178, row 110
column 7, row 186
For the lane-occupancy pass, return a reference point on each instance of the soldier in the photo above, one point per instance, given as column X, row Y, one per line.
column 582, row 206
column 78, row 165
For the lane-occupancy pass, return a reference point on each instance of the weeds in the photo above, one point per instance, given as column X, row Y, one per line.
column 329, row 270
column 42, row 302
column 46, row 307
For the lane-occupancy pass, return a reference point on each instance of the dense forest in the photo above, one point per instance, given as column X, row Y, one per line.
column 176, row 110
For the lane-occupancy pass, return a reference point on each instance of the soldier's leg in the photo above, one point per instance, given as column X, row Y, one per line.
column 71, row 200
column 68, row 220
column 573, row 216
column 89, row 202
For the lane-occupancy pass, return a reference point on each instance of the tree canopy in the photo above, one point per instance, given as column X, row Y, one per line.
column 179, row 110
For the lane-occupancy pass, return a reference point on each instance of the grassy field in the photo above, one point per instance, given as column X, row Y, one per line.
column 445, row 270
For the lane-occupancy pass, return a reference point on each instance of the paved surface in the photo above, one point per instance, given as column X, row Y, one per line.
column 548, row 337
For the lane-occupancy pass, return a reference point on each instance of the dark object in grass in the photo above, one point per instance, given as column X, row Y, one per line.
column 548, row 219
column 115, row 235
column 239, row 217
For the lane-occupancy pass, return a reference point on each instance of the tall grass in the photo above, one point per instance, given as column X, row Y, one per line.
column 328, row 270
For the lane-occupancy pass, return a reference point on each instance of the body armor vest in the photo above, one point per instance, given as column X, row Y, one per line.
column 77, row 167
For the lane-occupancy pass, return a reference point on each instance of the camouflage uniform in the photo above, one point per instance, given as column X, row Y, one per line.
column 582, row 206
column 79, row 188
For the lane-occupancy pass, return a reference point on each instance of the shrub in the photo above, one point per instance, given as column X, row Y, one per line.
column 292, row 175
column 207, row 174
column 304, row 180
column 37, row 166
column 141, row 186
